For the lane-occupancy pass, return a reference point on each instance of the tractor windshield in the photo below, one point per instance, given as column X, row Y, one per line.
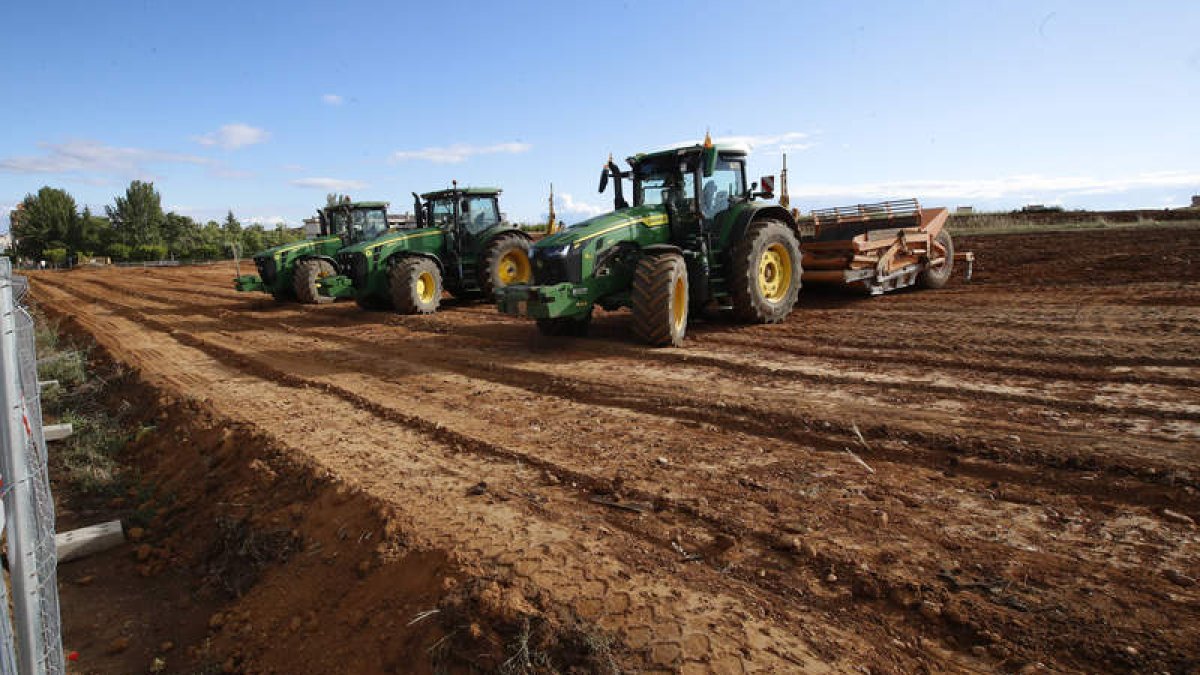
column 441, row 212
column 366, row 224
column 338, row 220
column 672, row 181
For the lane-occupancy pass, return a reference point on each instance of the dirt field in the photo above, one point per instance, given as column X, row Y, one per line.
column 1021, row 490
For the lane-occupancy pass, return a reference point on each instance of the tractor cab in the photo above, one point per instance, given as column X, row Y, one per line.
column 354, row 222
column 696, row 185
column 466, row 215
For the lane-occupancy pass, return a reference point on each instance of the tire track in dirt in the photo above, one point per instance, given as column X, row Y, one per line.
column 925, row 449
column 872, row 581
column 694, row 632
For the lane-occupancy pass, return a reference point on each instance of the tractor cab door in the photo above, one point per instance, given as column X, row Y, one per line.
column 721, row 190
column 478, row 215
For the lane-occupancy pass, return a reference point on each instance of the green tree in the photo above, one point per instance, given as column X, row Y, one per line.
column 180, row 233
column 138, row 216
column 253, row 240
column 45, row 220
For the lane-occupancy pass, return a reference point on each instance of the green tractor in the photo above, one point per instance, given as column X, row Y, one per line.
column 293, row 270
column 695, row 235
column 460, row 245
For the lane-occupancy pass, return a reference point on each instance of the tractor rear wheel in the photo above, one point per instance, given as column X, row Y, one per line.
column 573, row 326
column 416, row 286
column 659, row 299
column 766, row 273
column 505, row 262
column 308, row 273
column 936, row 276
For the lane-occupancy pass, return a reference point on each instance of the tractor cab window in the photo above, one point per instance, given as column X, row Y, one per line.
column 338, row 222
column 725, row 185
column 479, row 213
column 676, row 187
column 369, row 223
column 441, row 213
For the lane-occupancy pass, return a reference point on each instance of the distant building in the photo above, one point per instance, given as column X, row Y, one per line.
column 5, row 241
column 1196, row 201
column 964, row 210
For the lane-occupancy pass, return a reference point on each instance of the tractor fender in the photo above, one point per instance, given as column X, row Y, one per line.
column 401, row 255
column 520, row 233
column 748, row 216
column 329, row 259
column 659, row 249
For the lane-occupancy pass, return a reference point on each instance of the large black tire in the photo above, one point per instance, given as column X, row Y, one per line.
column 765, row 279
column 416, row 286
column 566, row 326
column 304, row 280
column 282, row 295
column 505, row 262
column 659, row 299
column 936, row 277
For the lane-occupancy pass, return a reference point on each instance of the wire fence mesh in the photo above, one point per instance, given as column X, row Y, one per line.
column 29, row 505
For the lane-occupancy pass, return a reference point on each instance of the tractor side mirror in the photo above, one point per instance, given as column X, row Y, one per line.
column 603, row 179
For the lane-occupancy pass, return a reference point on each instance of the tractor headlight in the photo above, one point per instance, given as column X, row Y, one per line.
column 555, row 251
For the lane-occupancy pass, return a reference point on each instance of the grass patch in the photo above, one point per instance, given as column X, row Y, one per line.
column 87, row 459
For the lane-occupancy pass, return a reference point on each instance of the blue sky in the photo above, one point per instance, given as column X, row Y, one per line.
column 263, row 107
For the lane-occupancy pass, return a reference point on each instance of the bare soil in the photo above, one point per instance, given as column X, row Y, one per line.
column 992, row 476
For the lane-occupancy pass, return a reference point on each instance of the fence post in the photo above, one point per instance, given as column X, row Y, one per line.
column 27, row 502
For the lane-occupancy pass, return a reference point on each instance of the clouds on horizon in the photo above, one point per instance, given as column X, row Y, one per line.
column 1026, row 186
column 234, row 136
column 83, row 156
column 332, row 99
column 328, row 184
column 458, row 152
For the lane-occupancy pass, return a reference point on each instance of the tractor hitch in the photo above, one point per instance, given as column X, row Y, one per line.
column 544, row 302
column 338, row 286
column 247, row 283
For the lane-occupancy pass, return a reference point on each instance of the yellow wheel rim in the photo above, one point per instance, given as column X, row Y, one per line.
column 514, row 268
column 679, row 303
column 775, row 273
column 426, row 287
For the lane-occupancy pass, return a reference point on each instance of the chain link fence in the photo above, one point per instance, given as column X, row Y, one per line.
column 35, row 634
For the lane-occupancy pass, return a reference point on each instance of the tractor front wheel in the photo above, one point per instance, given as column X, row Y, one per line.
column 308, row 273
column 505, row 262
column 660, row 299
column 936, row 276
column 766, row 273
column 416, row 286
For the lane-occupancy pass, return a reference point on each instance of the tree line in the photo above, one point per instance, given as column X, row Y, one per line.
column 49, row 226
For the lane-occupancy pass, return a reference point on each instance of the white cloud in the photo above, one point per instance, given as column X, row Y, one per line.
column 265, row 221
column 329, row 184
column 790, row 141
column 571, row 205
column 1031, row 186
column 459, row 152
column 234, row 136
column 86, row 156
column 332, row 99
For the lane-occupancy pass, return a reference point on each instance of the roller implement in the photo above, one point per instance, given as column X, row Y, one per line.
column 695, row 234
column 881, row 247
column 461, row 244
column 292, row 271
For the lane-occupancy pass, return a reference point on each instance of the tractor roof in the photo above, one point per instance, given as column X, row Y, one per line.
column 687, row 149
column 360, row 205
column 462, row 191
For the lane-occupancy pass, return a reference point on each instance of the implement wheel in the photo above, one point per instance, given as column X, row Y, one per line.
column 416, row 286
column 304, row 281
column 660, row 300
column 936, row 276
column 505, row 262
column 766, row 273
